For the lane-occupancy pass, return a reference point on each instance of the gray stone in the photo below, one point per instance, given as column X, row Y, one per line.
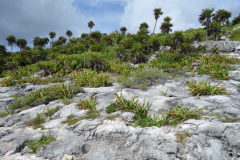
column 128, row 116
column 223, row 37
column 164, row 48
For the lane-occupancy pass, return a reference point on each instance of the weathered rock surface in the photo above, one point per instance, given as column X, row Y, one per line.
column 104, row 139
column 223, row 46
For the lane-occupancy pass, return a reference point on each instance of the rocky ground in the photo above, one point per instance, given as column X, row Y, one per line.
column 103, row 139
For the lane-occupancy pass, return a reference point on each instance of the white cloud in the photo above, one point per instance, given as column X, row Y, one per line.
column 184, row 13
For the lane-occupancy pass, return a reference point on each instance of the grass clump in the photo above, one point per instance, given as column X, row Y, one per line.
column 90, row 78
column 180, row 137
column 45, row 95
column 87, row 104
column 111, row 108
column 34, row 145
column 66, row 101
column 173, row 117
column 204, row 88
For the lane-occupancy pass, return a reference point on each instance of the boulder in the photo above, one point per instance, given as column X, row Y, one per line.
column 164, row 48
column 223, row 37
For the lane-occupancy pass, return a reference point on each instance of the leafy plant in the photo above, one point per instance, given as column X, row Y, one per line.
column 88, row 104
column 204, row 88
column 164, row 93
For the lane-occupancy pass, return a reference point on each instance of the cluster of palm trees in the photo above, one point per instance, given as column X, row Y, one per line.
column 214, row 22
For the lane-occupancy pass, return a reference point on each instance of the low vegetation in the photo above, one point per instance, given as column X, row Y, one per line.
column 34, row 145
column 45, row 95
column 173, row 117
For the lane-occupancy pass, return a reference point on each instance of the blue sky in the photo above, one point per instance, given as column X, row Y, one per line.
column 30, row 18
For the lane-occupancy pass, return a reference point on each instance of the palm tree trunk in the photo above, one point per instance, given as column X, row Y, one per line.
column 155, row 26
column 11, row 48
column 216, row 35
column 52, row 41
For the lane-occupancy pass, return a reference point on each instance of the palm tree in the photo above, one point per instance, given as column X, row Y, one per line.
column 205, row 18
column 2, row 49
column 167, row 19
column 216, row 27
column 166, row 26
column 157, row 13
column 123, row 30
column 90, row 25
column 236, row 20
column 45, row 41
column 62, row 39
column 11, row 40
column 69, row 34
column 222, row 16
column 52, row 35
column 21, row 43
column 143, row 26
column 37, row 41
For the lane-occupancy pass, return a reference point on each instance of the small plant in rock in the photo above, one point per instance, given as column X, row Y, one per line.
column 34, row 145
column 88, row 104
column 204, row 88
column 200, row 48
column 141, row 111
column 180, row 137
column 164, row 93
column 71, row 120
column 124, row 104
column 111, row 108
column 92, row 114
column 40, row 118
column 66, row 101
column 112, row 117
column 51, row 111
column 39, row 126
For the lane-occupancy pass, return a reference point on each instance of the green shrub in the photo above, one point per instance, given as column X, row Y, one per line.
column 111, row 108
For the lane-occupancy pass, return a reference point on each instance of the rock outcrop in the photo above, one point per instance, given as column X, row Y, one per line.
column 223, row 46
column 102, row 139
